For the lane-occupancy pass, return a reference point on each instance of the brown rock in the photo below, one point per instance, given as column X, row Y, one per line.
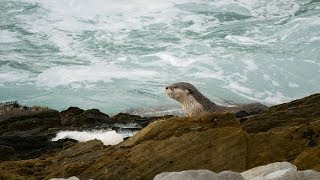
column 309, row 159
column 166, row 128
column 288, row 114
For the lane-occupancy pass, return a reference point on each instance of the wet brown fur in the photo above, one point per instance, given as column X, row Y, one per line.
column 195, row 104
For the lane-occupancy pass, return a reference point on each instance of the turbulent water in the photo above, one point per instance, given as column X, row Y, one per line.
column 117, row 55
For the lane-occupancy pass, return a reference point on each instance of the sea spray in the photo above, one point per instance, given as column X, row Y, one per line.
column 107, row 137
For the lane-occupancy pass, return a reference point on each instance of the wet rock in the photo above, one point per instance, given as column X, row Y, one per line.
column 76, row 117
column 12, row 105
column 125, row 117
column 29, row 147
column 20, row 120
column 7, row 153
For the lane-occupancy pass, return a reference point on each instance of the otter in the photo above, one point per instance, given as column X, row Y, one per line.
column 195, row 104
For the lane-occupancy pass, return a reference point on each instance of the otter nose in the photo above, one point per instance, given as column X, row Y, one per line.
column 167, row 87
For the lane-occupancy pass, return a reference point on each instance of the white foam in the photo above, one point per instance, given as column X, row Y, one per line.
column 167, row 58
column 268, row 78
column 107, row 137
column 8, row 37
column 205, row 74
column 234, row 86
column 68, row 75
column 243, row 40
column 275, row 98
column 293, row 85
column 251, row 65
column 14, row 76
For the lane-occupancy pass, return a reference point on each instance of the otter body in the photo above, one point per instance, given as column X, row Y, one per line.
column 195, row 104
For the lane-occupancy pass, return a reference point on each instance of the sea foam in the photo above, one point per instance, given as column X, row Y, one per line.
column 107, row 137
column 66, row 75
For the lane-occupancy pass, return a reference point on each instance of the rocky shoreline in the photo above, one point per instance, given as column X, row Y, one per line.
column 217, row 142
column 26, row 132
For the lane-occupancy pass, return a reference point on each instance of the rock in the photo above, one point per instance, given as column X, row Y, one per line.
column 199, row 175
column 29, row 130
column 9, row 106
column 166, row 128
column 125, row 117
column 309, row 175
column 309, row 159
column 226, row 147
column 21, row 120
column 77, row 117
column 229, row 175
column 286, row 174
column 274, row 171
column 242, row 113
column 267, row 169
column 30, row 147
column 290, row 114
column 70, row 178
column 187, row 175
column 118, row 161
column 286, row 144
column 7, row 153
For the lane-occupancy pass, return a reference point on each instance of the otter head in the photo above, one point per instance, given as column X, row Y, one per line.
column 180, row 91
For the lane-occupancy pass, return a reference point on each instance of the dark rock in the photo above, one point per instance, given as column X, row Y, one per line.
column 18, row 119
column 125, row 117
column 241, row 114
column 9, row 106
column 71, row 111
column 76, row 117
column 29, row 147
column 7, row 153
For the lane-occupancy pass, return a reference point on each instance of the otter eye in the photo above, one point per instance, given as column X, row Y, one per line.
column 174, row 87
column 190, row 90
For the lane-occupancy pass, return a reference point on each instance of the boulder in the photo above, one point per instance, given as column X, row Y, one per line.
column 273, row 171
column 309, row 175
column 187, row 175
column 262, row 171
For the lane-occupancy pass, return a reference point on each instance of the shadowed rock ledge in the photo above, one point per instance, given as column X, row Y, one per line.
column 218, row 142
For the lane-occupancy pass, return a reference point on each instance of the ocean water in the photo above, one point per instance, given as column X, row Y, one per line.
column 117, row 55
